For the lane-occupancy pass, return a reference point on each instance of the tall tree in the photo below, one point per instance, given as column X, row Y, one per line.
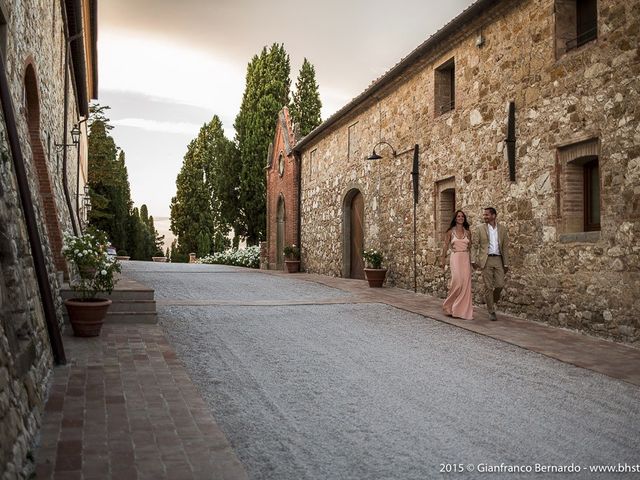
column 221, row 168
column 266, row 92
column 306, row 105
column 191, row 211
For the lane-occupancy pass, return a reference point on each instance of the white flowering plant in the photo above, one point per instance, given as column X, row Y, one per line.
column 373, row 258
column 247, row 257
column 94, row 269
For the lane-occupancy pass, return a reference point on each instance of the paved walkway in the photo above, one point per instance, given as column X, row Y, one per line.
column 610, row 358
column 124, row 408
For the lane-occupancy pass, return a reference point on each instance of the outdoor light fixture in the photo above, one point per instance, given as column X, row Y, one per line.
column 415, row 174
column 75, row 137
column 375, row 156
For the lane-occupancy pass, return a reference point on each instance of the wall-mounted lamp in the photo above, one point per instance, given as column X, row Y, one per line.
column 75, row 137
column 415, row 175
column 375, row 156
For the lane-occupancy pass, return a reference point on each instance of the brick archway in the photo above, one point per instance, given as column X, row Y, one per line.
column 39, row 162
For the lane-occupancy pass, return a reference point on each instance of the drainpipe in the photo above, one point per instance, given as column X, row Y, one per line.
column 65, row 176
column 30, row 218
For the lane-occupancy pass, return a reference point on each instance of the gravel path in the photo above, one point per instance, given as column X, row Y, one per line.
column 367, row 391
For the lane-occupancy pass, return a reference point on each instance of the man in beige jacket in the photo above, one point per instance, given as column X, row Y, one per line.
column 491, row 254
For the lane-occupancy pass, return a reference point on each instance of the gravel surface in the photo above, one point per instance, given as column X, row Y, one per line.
column 367, row 391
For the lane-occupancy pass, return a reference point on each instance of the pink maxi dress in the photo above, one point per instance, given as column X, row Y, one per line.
column 459, row 303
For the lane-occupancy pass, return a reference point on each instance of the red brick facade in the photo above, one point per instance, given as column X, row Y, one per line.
column 282, row 192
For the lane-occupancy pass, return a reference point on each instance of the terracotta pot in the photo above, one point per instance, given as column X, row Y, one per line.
column 159, row 259
column 375, row 276
column 292, row 266
column 122, row 257
column 87, row 316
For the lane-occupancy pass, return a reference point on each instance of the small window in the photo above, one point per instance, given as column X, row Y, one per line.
column 352, row 140
column 580, row 187
column 445, row 204
column 576, row 24
column 312, row 160
column 281, row 164
column 591, row 198
column 445, row 87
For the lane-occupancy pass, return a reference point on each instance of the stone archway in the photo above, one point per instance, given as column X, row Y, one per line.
column 39, row 163
column 280, row 229
column 353, row 235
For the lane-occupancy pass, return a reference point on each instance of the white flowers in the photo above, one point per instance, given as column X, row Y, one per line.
column 103, row 272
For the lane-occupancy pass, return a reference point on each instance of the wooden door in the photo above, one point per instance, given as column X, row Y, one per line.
column 356, row 241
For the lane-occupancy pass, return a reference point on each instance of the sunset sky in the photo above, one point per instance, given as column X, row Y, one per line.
column 166, row 67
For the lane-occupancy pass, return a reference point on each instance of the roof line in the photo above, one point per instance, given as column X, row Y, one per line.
column 429, row 44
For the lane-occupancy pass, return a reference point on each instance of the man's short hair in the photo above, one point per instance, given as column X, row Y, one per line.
column 492, row 210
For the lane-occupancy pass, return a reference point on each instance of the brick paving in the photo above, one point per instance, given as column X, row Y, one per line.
column 125, row 408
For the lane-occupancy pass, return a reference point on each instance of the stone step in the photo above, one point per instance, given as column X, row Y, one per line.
column 138, row 306
column 131, row 317
column 116, row 295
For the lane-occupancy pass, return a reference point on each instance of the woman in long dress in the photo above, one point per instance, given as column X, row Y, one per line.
column 459, row 302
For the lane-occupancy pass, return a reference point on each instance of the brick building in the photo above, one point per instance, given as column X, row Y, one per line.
column 530, row 106
column 283, row 181
column 48, row 76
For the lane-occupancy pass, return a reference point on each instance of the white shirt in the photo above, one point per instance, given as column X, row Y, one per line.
column 494, row 247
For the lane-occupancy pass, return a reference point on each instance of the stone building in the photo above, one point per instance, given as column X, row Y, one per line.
column 530, row 106
column 282, row 193
column 48, row 76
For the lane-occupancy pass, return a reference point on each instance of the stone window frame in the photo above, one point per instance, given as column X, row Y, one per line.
column 569, row 35
column 444, row 87
column 575, row 162
column 352, row 141
column 444, row 193
column 312, row 160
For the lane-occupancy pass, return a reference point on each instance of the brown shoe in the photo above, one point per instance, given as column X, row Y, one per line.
column 492, row 317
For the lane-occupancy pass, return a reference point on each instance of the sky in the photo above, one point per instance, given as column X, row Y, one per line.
column 166, row 67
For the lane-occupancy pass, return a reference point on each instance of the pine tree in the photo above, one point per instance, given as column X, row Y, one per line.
column 266, row 92
column 306, row 105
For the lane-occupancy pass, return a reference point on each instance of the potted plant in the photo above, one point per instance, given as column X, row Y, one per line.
column 292, row 258
column 122, row 255
column 94, row 274
column 373, row 271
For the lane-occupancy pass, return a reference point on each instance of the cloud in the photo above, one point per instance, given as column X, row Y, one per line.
column 183, row 128
column 155, row 67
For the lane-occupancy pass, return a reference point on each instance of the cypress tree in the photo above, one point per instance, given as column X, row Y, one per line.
column 306, row 105
column 191, row 211
column 266, row 92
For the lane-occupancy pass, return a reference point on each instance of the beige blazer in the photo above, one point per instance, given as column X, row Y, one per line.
column 480, row 247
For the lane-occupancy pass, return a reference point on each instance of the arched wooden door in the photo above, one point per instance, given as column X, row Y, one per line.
column 356, row 240
column 280, row 234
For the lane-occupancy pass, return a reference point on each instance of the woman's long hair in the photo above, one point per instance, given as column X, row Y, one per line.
column 453, row 222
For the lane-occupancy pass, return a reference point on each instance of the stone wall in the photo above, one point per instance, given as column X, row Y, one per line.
column 584, row 280
column 35, row 60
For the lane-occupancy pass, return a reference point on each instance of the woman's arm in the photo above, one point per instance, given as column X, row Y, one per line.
column 445, row 247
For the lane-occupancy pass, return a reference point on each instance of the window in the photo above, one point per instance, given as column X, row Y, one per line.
column 576, row 24
column 580, row 187
column 352, row 141
column 445, row 87
column 312, row 160
column 445, row 205
column 281, row 164
column 591, row 195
